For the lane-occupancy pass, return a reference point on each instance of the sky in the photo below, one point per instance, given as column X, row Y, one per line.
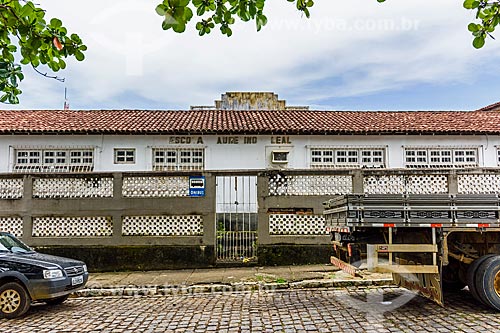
column 350, row 55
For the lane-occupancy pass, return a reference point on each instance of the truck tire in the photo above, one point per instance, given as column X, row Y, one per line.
column 14, row 300
column 488, row 282
column 471, row 275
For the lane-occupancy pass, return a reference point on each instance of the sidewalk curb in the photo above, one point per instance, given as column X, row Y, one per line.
column 131, row 290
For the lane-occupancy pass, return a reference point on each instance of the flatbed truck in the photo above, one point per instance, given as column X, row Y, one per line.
column 429, row 243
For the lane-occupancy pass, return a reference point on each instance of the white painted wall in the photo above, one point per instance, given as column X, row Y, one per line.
column 240, row 155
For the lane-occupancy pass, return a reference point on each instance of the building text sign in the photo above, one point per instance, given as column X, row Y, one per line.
column 235, row 140
column 185, row 140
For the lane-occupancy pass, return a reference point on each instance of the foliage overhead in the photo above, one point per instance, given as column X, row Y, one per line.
column 25, row 33
column 488, row 14
column 223, row 13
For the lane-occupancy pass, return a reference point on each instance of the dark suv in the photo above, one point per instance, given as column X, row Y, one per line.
column 27, row 276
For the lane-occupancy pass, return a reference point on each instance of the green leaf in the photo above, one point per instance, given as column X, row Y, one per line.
column 261, row 21
column 56, row 23
column 473, row 27
column 478, row 42
column 79, row 56
column 13, row 99
column 468, row 4
column 27, row 10
column 160, row 10
column 179, row 28
column 13, row 80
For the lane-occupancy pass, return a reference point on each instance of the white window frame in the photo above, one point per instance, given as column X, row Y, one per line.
column 53, row 159
column 280, row 153
column 325, row 157
column 178, row 158
column 124, row 155
column 440, row 157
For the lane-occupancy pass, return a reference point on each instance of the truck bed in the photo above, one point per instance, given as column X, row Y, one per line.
column 433, row 210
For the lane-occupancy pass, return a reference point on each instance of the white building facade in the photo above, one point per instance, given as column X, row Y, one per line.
column 108, row 153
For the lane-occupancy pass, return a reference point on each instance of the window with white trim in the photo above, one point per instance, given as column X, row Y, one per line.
column 124, row 156
column 437, row 157
column 279, row 156
column 340, row 157
column 178, row 159
column 53, row 160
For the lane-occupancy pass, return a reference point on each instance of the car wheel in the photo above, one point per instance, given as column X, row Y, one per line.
column 488, row 282
column 471, row 275
column 14, row 300
column 57, row 300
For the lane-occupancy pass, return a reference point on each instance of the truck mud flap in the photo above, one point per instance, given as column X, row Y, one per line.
column 427, row 285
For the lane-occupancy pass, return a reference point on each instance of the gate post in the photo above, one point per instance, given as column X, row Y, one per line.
column 209, row 216
column 357, row 182
column 27, row 203
column 452, row 182
column 263, row 236
column 117, row 216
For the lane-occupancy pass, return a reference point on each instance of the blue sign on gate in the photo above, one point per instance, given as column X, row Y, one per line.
column 197, row 186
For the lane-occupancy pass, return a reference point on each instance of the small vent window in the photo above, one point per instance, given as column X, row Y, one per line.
column 280, row 156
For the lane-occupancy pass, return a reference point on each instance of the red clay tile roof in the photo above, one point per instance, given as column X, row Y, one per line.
column 491, row 107
column 247, row 122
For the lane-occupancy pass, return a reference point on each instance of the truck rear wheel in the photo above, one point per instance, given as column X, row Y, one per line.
column 14, row 300
column 471, row 275
column 488, row 282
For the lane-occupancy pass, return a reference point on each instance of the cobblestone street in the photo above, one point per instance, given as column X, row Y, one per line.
column 318, row 310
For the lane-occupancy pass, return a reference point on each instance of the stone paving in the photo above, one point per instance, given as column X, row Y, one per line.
column 373, row 310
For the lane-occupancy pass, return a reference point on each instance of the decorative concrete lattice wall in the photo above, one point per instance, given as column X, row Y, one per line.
column 181, row 225
column 13, row 225
column 309, row 185
column 478, row 184
column 72, row 226
column 73, row 188
column 391, row 184
column 399, row 184
column 427, row 184
column 294, row 224
column 11, row 188
column 155, row 187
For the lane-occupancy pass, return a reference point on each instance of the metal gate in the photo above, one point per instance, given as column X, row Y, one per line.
column 236, row 218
